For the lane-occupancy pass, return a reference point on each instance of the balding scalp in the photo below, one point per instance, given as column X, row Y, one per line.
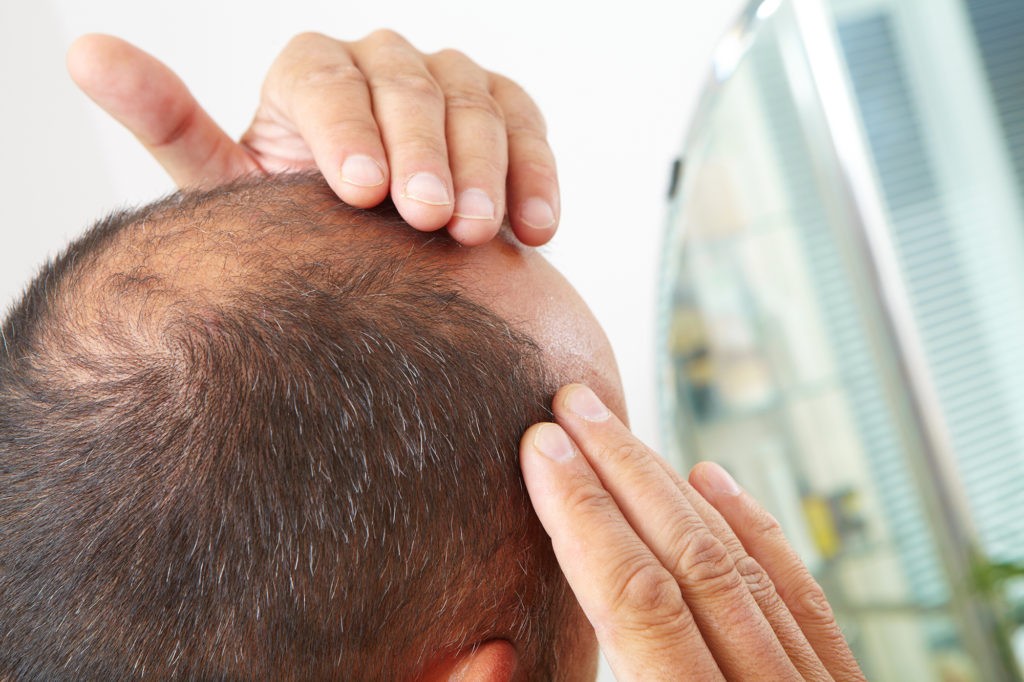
column 254, row 433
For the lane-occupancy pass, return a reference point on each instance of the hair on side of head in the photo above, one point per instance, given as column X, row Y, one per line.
column 254, row 433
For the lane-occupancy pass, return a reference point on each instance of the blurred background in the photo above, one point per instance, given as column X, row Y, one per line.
column 842, row 312
column 801, row 223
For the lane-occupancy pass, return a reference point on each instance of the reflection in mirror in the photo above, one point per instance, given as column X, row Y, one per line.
column 843, row 312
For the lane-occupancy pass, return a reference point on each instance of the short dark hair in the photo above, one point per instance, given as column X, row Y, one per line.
column 254, row 433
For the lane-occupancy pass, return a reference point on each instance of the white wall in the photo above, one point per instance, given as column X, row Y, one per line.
column 617, row 82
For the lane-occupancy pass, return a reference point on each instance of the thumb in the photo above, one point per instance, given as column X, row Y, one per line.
column 148, row 99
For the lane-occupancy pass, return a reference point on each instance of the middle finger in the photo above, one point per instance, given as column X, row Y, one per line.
column 409, row 107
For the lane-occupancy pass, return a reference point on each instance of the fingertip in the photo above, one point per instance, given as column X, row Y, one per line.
column 548, row 440
column 696, row 475
column 85, row 54
column 531, row 236
column 424, row 220
column 535, row 220
column 469, row 232
column 712, row 480
column 560, row 395
column 424, row 201
column 87, row 42
column 363, row 172
column 476, row 219
column 537, row 213
column 358, row 196
column 530, row 460
column 78, row 50
column 527, row 439
column 583, row 402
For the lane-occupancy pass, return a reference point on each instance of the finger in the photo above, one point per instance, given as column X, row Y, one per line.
column 533, row 196
column 634, row 604
column 760, row 584
column 315, row 88
column 477, row 147
column 409, row 108
column 736, row 631
column 762, row 537
column 149, row 100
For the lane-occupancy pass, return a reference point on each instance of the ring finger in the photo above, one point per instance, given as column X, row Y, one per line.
column 759, row 581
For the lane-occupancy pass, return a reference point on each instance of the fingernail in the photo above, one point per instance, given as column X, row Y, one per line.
column 551, row 441
column 474, row 204
column 720, row 480
column 537, row 213
column 584, row 403
column 362, row 171
column 426, row 188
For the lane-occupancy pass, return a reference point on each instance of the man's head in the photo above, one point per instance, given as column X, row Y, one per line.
column 253, row 433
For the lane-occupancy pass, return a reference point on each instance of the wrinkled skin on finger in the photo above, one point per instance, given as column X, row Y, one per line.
column 669, row 574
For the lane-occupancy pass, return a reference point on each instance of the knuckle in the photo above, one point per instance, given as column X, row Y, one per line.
column 702, row 558
column 384, row 36
column 328, row 75
column 656, row 640
column 486, row 155
column 473, row 102
column 486, row 166
column 510, row 89
column 306, row 39
column 413, row 83
column 809, row 606
column 587, row 499
column 354, row 127
column 530, row 125
column 765, row 524
column 757, row 580
column 420, row 143
column 449, row 54
column 621, row 453
column 646, row 593
column 545, row 172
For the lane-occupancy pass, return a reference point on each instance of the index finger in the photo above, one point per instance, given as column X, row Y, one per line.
column 633, row 602
column 735, row 629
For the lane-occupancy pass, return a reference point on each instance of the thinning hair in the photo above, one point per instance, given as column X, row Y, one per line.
column 254, row 433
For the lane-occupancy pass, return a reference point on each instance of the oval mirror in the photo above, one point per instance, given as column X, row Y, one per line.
column 842, row 312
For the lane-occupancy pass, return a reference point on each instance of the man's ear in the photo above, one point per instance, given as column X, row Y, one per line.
column 492, row 661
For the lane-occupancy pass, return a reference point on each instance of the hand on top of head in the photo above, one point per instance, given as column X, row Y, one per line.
column 443, row 136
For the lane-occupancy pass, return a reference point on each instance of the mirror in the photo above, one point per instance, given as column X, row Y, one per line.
column 842, row 312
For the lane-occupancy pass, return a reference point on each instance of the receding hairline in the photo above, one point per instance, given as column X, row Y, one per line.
column 197, row 249
column 212, row 241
